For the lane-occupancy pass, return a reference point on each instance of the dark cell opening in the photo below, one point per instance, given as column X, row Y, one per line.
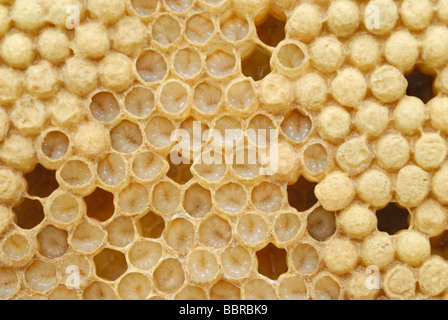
column 439, row 245
column 272, row 261
column 179, row 173
column 41, row 182
column 420, row 85
column 100, row 204
column 392, row 219
column 110, row 264
column 29, row 214
column 257, row 64
column 301, row 194
column 151, row 225
column 271, row 31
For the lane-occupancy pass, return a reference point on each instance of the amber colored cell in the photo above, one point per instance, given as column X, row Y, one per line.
column 301, row 195
column 272, row 261
column 100, row 205
column 271, row 32
column 256, row 65
column 41, row 182
column 110, row 264
column 29, row 214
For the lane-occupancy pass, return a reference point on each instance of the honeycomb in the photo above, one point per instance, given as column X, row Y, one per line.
column 100, row 200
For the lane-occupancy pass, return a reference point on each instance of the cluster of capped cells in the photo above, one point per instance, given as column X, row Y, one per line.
column 353, row 94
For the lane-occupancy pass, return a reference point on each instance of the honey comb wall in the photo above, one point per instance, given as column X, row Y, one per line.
column 99, row 200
